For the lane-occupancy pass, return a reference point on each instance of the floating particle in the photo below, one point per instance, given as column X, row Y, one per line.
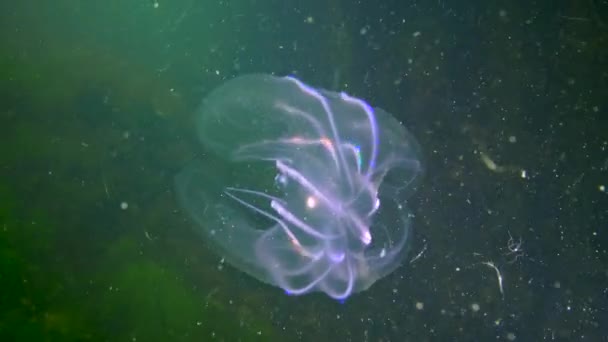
column 523, row 174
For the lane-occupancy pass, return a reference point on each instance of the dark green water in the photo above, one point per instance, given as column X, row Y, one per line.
column 507, row 100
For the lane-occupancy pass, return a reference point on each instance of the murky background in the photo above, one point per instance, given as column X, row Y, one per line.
column 507, row 99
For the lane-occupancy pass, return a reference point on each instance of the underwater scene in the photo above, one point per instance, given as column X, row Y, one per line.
column 280, row 170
